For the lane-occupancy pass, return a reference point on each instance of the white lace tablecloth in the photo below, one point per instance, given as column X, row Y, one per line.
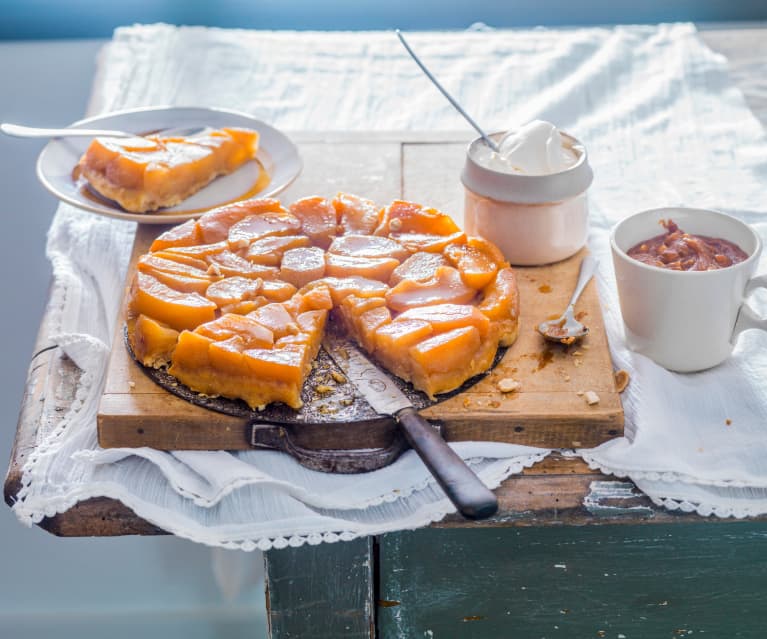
column 663, row 125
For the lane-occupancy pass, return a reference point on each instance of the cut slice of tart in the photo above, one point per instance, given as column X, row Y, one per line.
column 144, row 174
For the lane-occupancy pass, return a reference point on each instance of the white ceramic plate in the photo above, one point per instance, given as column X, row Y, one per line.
column 277, row 155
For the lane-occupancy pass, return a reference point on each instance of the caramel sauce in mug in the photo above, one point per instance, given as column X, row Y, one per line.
column 680, row 251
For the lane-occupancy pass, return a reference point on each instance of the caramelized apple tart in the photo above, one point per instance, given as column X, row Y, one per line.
column 235, row 304
column 144, row 174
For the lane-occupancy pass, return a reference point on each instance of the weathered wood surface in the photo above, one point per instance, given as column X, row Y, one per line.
column 602, row 581
column 546, row 412
column 323, row 592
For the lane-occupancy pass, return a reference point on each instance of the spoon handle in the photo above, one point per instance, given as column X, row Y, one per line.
column 588, row 268
column 450, row 98
column 16, row 130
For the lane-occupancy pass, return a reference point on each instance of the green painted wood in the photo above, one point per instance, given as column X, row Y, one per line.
column 322, row 592
column 619, row 582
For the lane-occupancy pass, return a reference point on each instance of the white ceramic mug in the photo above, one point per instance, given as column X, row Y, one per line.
column 686, row 320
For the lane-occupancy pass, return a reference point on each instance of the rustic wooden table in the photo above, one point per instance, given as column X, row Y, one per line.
column 570, row 552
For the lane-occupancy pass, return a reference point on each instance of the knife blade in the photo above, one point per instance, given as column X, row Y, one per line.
column 470, row 496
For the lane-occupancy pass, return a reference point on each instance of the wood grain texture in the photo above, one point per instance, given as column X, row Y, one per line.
column 599, row 581
column 546, row 412
column 323, row 592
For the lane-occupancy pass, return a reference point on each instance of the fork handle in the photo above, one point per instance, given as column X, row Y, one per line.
column 588, row 268
column 19, row 131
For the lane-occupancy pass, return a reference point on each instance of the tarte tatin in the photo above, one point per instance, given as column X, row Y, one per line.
column 235, row 304
column 144, row 174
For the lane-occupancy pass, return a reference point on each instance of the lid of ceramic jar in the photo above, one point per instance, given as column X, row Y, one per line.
column 527, row 189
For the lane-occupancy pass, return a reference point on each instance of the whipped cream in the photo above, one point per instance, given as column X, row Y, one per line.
column 537, row 148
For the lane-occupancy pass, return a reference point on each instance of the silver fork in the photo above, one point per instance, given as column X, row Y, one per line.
column 19, row 131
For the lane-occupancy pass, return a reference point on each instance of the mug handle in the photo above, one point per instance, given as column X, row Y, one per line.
column 747, row 317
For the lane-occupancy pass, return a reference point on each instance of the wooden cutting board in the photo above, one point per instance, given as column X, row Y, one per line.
column 547, row 411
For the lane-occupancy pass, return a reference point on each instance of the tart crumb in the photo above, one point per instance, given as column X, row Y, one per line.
column 466, row 402
column 346, row 401
column 508, row 385
column 132, row 384
column 622, row 380
column 591, row 398
column 727, row 422
column 567, row 378
column 395, row 224
column 338, row 377
column 494, row 404
column 323, row 388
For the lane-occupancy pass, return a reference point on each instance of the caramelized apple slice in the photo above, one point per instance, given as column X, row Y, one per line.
column 195, row 262
column 230, row 264
column 153, row 342
column 302, row 265
column 286, row 364
column 191, row 354
column 276, row 318
column 181, row 283
column 419, row 267
column 232, row 290
column 374, row 268
column 318, row 219
column 178, row 310
column 252, row 333
column 354, row 306
column 256, row 227
column 442, row 363
column 500, row 303
column 395, row 338
column 276, row 291
column 431, row 243
column 214, row 225
column 408, row 217
column 476, row 267
column 186, row 234
column 150, row 263
column 193, row 255
column 340, row 287
column 268, row 251
column 312, row 299
column 445, row 287
column 367, row 246
column 367, row 323
column 226, row 356
column 448, row 317
column 356, row 214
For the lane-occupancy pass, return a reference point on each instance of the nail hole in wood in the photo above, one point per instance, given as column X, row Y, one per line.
column 140, row 431
column 612, row 432
column 519, row 429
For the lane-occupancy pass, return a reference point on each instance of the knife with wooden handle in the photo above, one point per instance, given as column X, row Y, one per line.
column 470, row 496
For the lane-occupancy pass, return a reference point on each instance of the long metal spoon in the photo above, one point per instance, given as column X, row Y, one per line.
column 450, row 98
column 566, row 329
column 19, row 131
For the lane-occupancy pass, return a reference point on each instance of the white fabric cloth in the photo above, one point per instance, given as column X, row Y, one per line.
column 663, row 126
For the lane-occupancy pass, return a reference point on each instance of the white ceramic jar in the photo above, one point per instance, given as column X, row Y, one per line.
column 533, row 219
